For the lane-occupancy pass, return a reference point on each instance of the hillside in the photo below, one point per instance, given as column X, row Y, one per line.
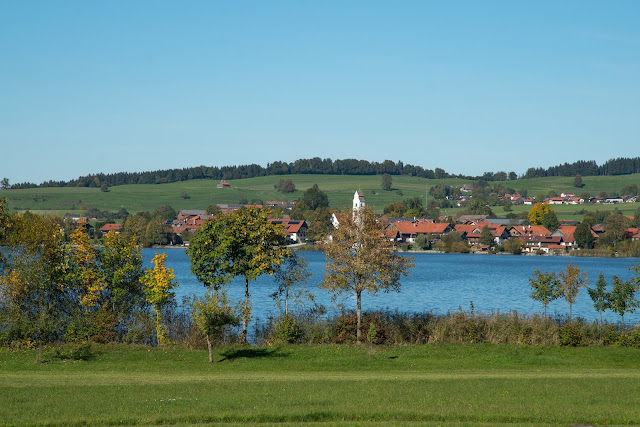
column 339, row 188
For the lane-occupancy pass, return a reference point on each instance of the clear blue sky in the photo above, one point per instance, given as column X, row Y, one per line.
column 468, row 86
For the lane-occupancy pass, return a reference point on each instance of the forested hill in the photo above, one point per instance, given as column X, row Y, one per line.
column 316, row 165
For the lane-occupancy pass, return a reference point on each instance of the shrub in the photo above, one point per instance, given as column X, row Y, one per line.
column 285, row 331
column 571, row 335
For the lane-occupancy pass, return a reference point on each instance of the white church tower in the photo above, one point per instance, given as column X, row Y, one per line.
column 358, row 201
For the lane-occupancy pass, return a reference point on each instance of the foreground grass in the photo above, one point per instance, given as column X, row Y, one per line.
column 449, row 384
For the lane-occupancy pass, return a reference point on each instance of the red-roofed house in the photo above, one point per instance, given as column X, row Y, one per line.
column 294, row 230
column 409, row 230
column 528, row 230
column 111, row 227
column 472, row 232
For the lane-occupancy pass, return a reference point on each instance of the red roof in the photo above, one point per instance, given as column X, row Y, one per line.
column 111, row 227
column 421, row 227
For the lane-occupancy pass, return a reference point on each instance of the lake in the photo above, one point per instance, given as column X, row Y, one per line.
column 439, row 283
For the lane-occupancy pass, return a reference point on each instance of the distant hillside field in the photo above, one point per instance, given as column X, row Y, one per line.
column 339, row 188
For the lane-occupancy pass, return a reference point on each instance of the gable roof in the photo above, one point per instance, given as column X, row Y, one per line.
column 111, row 227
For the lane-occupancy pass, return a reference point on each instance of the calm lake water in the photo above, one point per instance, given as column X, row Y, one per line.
column 439, row 283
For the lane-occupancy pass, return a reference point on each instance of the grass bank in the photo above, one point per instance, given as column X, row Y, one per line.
column 431, row 384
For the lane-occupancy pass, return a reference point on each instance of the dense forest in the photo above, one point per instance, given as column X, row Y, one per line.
column 316, row 165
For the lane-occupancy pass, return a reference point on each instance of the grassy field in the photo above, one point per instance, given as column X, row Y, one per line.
column 432, row 385
column 339, row 188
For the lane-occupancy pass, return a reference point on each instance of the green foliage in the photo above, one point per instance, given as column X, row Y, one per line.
column 577, row 181
column 615, row 226
column 286, row 330
column 315, row 198
column 34, row 297
column 600, row 296
column 386, row 182
column 583, row 236
column 285, row 186
column 359, row 260
column 514, row 245
column 546, row 288
column 571, row 334
column 244, row 243
column 630, row 189
column 622, row 298
column 291, row 277
column 212, row 314
column 550, row 221
column 486, row 237
column 572, row 280
column 422, row 241
column 478, row 207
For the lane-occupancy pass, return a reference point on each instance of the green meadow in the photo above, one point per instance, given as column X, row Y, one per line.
column 330, row 384
column 339, row 188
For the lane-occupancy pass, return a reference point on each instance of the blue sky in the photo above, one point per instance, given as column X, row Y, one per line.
column 468, row 86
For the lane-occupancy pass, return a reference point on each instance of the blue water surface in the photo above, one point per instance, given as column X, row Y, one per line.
column 438, row 283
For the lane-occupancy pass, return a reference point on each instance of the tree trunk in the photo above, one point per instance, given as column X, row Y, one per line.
column 570, row 311
column 286, row 302
column 359, row 316
column 210, row 349
column 245, row 315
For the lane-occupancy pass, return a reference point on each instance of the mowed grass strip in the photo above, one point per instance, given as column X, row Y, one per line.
column 304, row 384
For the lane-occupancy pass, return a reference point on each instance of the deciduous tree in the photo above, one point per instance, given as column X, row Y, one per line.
column 315, row 198
column 212, row 314
column 583, row 236
column 386, row 182
column 622, row 299
column 158, row 283
column 486, row 237
column 291, row 277
column 245, row 244
column 34, row 296
column 538, row 212
column 360, row 259
column 600, row 296
column 572, row 280
column 546, row 288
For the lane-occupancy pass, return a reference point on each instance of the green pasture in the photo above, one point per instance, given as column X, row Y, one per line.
column 339, row 188
column 430, row 384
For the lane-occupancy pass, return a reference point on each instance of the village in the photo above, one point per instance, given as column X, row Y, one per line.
column 477, row 233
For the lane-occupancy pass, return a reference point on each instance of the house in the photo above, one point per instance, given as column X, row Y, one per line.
column 295, row 230
column 466, row 189
column 472, row 232
column 409, row 230
column 613, row 200
column 224, row 184
column 546, row 244
column 191, row 213
column 556, row 200
column 633, row 233
column 116, row 228
column 471, row 219
column 283, row 205
column 528, row 230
